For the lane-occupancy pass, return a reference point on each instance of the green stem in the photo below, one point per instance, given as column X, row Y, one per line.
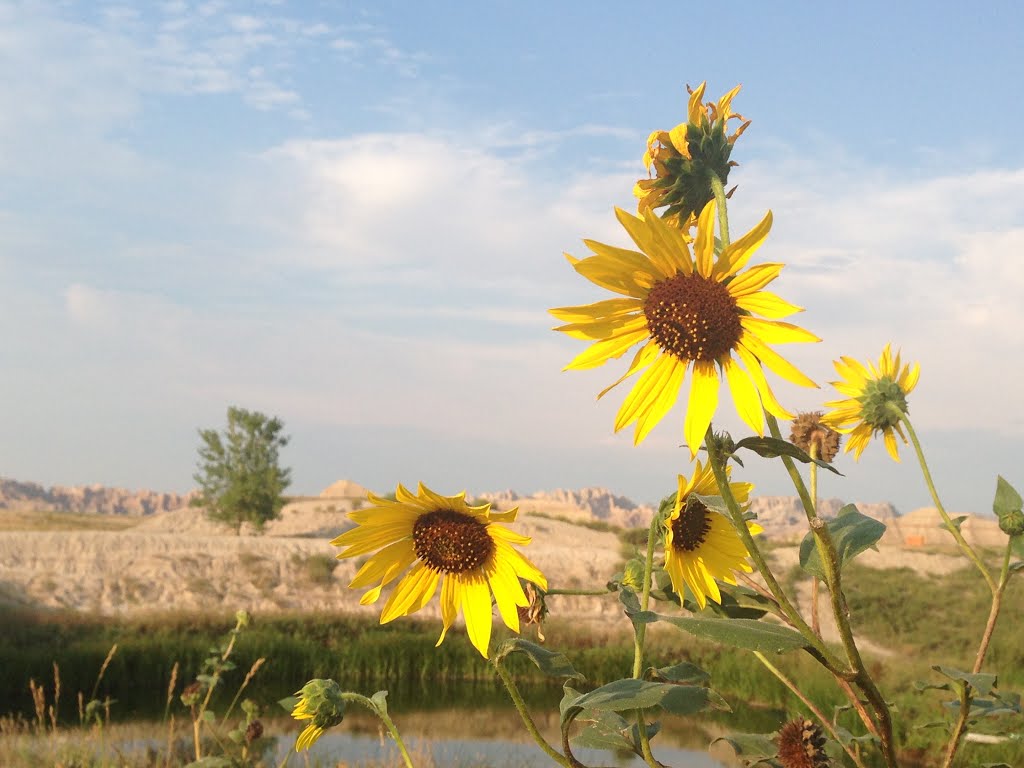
column 383, row 715
column 815, row 583
column 840, row 610
column 809, row 704
column 950, row 526
column 789, row 610
column 520, row 705
column 640, row 633
column 723, row 217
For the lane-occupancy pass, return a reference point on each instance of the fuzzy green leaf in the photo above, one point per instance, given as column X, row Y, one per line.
column 738, row 633
column 288, row 703
column 380, row 700
column 771, row 448
column 1007, row 499
column 852, row 533
column 678, row 673
column 750, row 746
column 549, row 662
column 981, row 682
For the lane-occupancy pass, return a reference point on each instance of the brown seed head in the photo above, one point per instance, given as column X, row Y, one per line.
column 808, row 432
column 802, row 745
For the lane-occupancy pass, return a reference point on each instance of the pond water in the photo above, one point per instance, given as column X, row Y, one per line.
column 354, row 749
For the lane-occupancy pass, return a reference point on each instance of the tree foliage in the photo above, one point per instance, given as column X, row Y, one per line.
column 239, row 475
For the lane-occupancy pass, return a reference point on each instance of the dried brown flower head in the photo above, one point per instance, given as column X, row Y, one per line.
column 802, row 745
column 536, row 611
column 808, row 432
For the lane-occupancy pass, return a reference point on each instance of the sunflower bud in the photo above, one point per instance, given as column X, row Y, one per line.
column 322, row 703
column 802, row 745
column 808, row 432
column 1012, row 524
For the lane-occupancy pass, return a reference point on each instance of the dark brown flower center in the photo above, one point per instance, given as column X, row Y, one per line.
column 693, row 317
column 451, row 542
column 691, row 528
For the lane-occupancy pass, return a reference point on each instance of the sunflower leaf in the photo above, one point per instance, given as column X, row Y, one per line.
column 380, row 700
column 754, row 747
column 549, row 662
column 1007, row 499
column 678, row 673
column 288, row 703
column 852, row 533
column 739, row 633
column 632, row 694
column 981, row 682
column 772, row 448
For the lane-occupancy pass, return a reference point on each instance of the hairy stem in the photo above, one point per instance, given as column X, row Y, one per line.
column 386, row 719
column 639, row 634
column 531, row 726
column 809, row 704
column 949, row 524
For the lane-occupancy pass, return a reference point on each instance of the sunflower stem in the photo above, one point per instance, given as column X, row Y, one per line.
column 840, row 609
column 815, row 583
column 371, row 705
column 531, row 726
column 640, row 633
column 947, row 521
column 789, row 610
column 723, row 217
column 809, row 704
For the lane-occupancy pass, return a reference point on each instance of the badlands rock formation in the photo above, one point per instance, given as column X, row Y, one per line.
column 92, row 499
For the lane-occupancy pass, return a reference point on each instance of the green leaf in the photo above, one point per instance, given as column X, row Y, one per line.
column 1007, row 499
column 981, row 682
column 288, row 703
column 772, row 448
column 738, row 633
column 380, row 701
column 996, row 765
column 604, row 730
column 629, row 694
column 678, row 673
column 549, row 662
column 852, row 533
column 209, row 716
column 732, row 608
column 1017, row 566
column 957, row 522
column 1017, row 546
column 752, row 747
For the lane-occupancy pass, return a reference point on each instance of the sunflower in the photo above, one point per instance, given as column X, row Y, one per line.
column 700, row 544
column 447, row 542
column 321, row 703
column 876, row 400
column 688, row 313
column 683, row 158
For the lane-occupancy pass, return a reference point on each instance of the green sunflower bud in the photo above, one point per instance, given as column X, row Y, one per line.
column 1012, row 524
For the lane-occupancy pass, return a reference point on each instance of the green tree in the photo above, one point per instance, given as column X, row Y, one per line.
column 240, row 478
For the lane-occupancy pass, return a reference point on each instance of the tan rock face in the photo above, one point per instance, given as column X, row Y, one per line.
column 92, row 499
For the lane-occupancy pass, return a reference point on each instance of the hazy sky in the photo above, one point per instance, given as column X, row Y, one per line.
column 352, row 216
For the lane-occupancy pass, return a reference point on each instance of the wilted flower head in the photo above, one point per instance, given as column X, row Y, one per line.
column 320, row 702
column 809, row 432
column 802, row 745
column 684, row 158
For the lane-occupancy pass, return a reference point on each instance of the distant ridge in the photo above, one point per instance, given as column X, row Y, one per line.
column 88, row 499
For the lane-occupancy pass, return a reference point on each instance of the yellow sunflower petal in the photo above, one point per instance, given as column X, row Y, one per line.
column 753, row 280
column 702, row 404
column 601, row 352
column 767, row 304
column 450, row 601
column 740, row 250
column 476, row 607
column 704, row 243
column 597, row 310
column 744, row 395
column 646, row 391
column 774, row 360
column 768, row 399
column 776, row 331
column 667, row 397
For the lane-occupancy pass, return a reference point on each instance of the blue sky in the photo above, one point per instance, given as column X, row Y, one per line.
column 352, row 216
